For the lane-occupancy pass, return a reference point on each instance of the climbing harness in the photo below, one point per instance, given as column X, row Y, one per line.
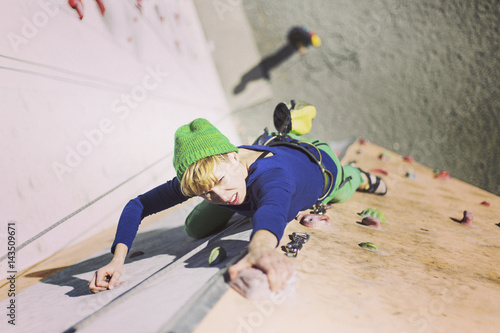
column 283, row 123
column 287, row 141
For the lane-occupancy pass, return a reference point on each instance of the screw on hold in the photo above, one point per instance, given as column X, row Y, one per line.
column 320, row 209
column 298, row 239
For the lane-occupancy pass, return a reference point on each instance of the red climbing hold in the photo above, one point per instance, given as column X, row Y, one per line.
column 409, row 159
column 101, row 6
column 466, row 220
column 313, row 220
column 78, row 6
column 444, row 175
column 135, row 254
column 381, row 170
column 371, row 222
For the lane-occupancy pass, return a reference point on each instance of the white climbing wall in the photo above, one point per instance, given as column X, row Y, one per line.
column 88, row 104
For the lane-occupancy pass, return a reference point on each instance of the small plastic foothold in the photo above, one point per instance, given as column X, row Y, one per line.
column 135, row 254
column 252, row 283
column 384, row 156
column 78, row 6
column 411, row 175
column 373, row 212
column 381, row 170
column 313, row 220
column 485, row 203
column 101, row 6
column 368, row 246
column 409, row 159
column 444, row 175
column 362, row 141
column 371, row 222
column 217, row 255
column 466, row 220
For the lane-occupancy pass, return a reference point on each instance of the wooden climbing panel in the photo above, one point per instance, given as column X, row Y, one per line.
column 430, row 273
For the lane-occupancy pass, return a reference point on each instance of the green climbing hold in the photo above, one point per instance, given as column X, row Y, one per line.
column 217, row 256
column 373, row 212
column 384, row 156
column 369, row 246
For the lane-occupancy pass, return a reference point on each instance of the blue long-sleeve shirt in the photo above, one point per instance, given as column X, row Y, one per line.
column 278, row 188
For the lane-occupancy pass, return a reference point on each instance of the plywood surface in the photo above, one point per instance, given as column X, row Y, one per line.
column 431, row 274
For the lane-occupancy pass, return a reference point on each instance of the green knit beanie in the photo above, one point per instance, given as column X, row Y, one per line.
column 197, row 140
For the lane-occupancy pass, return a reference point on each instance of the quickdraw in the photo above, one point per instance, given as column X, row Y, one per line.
column 298, row 239
column 320, row 209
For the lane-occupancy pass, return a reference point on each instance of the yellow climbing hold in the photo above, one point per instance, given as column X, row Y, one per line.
column 369, row 246
column 217, row 255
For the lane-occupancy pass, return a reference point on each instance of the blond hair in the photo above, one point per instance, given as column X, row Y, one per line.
column 200, row 177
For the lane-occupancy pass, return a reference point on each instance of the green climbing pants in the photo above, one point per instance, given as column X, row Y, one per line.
column 206, row 219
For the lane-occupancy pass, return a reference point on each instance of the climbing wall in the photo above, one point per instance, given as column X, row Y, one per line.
column 428, row 269
column 91, row 97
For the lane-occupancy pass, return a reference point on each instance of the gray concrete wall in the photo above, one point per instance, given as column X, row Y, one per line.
column 417, row 77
